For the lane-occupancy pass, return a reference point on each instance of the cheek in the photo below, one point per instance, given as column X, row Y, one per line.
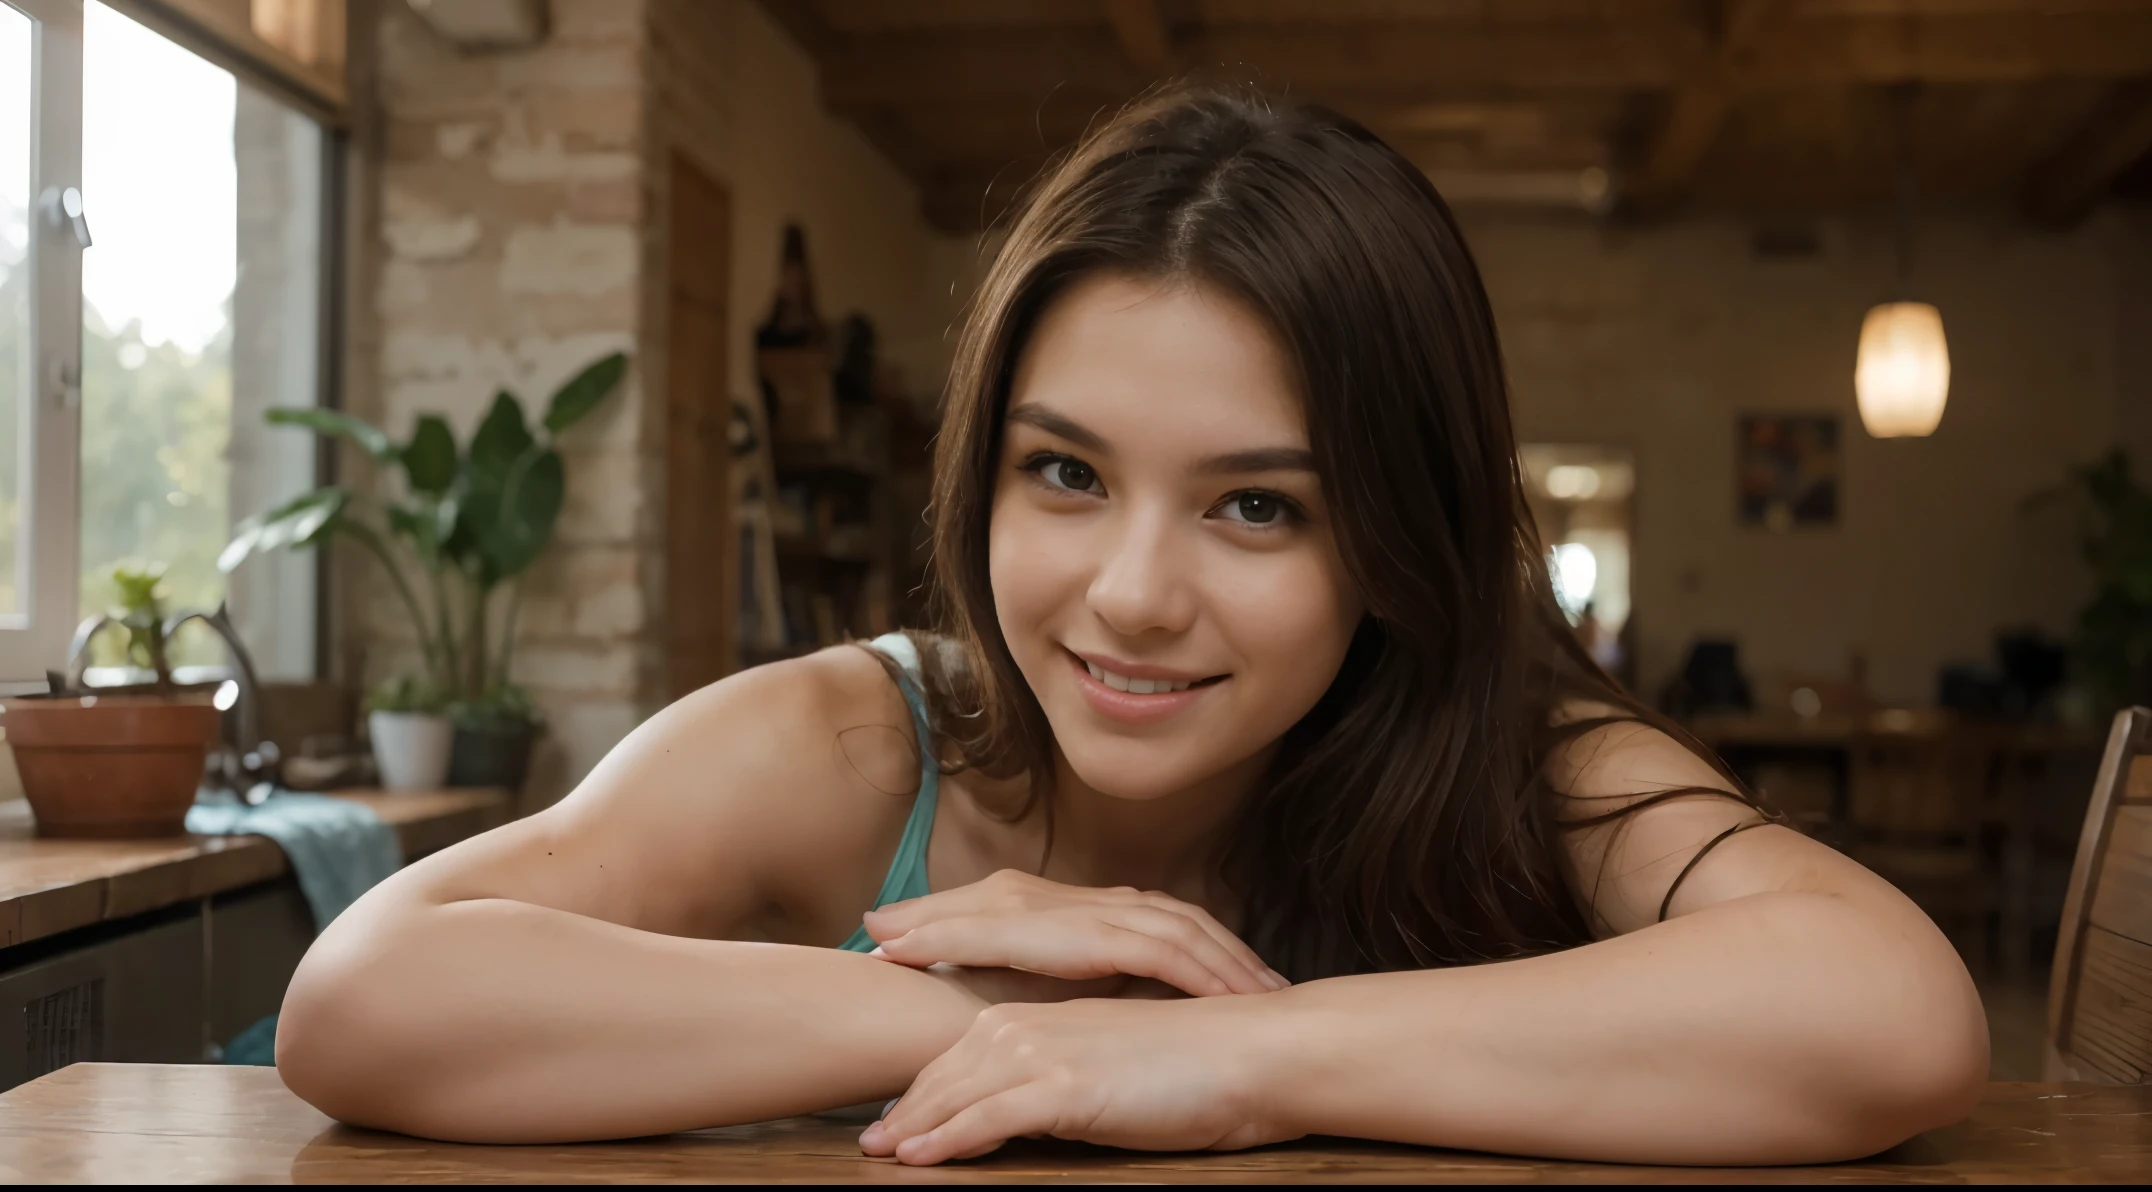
column 1290, row 618
column 1037, row 572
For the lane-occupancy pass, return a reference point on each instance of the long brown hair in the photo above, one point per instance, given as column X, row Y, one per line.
column 1406, row 822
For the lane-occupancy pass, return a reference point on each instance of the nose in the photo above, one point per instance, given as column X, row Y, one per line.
column 1144, row 581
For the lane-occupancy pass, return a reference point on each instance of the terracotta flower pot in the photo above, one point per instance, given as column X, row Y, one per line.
column 110, row 766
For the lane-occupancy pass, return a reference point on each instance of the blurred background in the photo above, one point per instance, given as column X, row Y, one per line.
column 1829, row 325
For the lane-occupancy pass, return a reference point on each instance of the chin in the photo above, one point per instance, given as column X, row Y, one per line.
column 1136, row 770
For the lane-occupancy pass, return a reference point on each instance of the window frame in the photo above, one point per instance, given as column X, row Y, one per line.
column 37, row 636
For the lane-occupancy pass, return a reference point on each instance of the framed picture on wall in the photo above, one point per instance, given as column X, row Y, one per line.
column 1786, row 470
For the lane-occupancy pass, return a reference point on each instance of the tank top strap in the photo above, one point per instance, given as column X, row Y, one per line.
column 907, row 876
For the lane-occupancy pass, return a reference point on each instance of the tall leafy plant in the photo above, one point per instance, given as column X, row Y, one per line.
column 2113, row 644
column 472, row 521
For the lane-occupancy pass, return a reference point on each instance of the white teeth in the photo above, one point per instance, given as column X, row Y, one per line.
column 1134, row 686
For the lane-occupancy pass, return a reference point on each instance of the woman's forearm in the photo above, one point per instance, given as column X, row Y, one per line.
column 498, row 1021
column 1776, row 1028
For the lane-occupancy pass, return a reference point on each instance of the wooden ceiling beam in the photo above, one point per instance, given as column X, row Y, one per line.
column 1698, row 109
column 799, row 19
column 2067, row 185
column 1975, row 47
column 994, row 65
column 1002, row 66
column 1141, row 29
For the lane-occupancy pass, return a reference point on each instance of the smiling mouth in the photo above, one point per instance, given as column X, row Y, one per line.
column 1143, row 686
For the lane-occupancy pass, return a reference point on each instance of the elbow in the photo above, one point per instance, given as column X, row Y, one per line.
column 1927, row 1068
column 1925, row 1084
column 335, row 1047
column 1944, row 1070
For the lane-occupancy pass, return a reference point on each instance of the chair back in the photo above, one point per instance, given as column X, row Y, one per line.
column 2099, row 1006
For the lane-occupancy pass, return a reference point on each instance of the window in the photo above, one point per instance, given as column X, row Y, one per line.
column 199, row 306
column 40, row 261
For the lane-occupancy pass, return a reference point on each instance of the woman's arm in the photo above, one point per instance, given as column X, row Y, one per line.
column 1818, row 1018
column 1793, row 1008
column 556, row 978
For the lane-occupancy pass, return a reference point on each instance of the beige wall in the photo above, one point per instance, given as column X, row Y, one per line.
column 514, row 209
column 1653, row 339
column 740, row 98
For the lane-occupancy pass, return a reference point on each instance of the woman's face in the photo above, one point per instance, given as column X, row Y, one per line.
column 1163, row 565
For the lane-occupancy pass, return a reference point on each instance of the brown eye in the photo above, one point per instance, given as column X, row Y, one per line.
column 1072, row 474
column 1260, row 508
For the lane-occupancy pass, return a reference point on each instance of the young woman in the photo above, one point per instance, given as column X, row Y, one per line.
column 1254, row 787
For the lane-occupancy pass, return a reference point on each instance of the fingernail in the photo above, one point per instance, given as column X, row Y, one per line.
column 871, row 1135
column 1277, row 979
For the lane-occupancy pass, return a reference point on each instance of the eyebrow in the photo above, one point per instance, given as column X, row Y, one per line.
column 1259, row 459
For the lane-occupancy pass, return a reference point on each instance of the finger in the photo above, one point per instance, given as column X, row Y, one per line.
column 995, row 892
column 1217, row 931
column 1076, row 945
column 1141, row 954
column 984, row 1125
column 950, row 1081
column 1239, row 969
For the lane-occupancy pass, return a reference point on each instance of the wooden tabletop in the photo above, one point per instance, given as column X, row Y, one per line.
column 48, row 886
column 148, row 1123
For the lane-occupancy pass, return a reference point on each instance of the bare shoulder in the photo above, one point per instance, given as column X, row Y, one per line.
column 1615, row 759
column 1638, row 805
column 761, row 790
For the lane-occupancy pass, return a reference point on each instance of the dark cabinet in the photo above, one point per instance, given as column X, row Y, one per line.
column 164, row 987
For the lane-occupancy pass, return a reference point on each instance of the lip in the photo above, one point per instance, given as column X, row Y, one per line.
column 1130, row 708
column 1136, row 670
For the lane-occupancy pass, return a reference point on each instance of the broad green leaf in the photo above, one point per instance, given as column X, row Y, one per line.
column 501, row 440
column 303, row 521
column 530, row 504
column 429, row 459
column 586, row 392
column 427, row 524
column 336, row 424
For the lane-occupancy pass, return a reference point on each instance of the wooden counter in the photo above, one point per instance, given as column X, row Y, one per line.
column 50, row 886
column 146, row 1123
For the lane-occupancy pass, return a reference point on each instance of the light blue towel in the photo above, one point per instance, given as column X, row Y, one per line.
column 338, row 850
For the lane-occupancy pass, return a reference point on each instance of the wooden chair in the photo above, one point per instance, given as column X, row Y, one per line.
column 2099, row 1006
column 1915, row 784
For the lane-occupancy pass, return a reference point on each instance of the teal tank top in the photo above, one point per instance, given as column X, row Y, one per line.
column 908, row 869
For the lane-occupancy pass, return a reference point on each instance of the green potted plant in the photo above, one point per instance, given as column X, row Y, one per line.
column 2113, row 640
column 120, row 761
column 471, row 520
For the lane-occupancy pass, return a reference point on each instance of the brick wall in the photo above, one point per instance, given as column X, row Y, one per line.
column 511, row 210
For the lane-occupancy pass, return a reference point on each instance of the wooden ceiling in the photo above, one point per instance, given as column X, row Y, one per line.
column 1632, row 107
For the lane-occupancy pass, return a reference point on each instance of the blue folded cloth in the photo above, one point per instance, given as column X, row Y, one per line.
column 338, row 850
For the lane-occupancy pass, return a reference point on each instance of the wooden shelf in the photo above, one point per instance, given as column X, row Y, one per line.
column 50, row 885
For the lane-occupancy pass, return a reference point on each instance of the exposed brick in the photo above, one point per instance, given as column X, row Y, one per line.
column 569, row 259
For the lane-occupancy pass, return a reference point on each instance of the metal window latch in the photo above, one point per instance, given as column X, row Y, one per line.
column 64, row 379
column 63, row 209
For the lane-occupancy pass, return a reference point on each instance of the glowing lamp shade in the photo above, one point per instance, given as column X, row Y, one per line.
column 1903, row 375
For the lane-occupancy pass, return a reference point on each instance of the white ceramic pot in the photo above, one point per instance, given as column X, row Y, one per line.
column 412, row 749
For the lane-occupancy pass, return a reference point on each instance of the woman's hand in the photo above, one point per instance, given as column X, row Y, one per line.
column 1162, row 1076
column 1013, row 920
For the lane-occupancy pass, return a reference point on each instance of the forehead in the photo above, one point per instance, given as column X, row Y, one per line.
column 1161, row 365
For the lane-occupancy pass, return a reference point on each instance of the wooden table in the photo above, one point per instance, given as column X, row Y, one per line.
column 143, row 1123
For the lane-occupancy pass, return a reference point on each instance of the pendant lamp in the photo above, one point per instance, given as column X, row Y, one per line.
column 1901, row 378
